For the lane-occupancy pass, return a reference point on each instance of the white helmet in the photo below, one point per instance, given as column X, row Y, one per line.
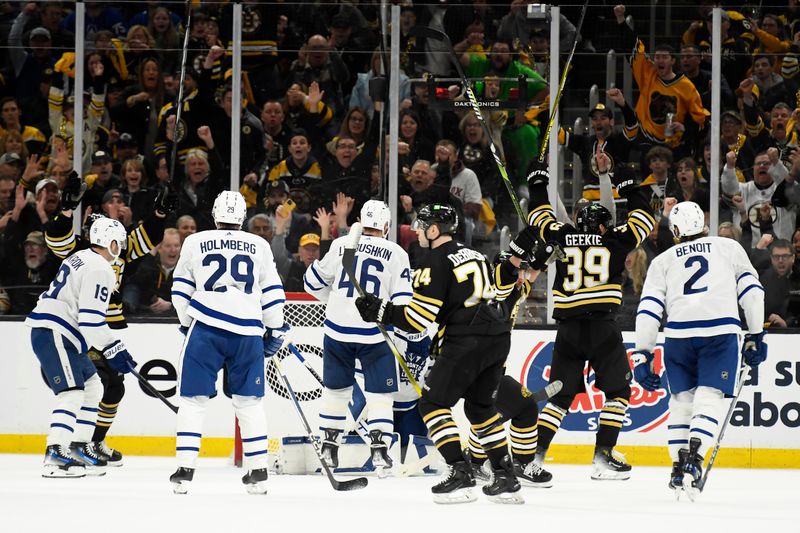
column 376, row 214
column 687, row 219
column 229, row 208
column 106, row 230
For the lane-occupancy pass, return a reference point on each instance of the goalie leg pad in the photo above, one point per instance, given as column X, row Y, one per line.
column 253, row 426
column 680, row 416
column 191, row 411
column 707, row 412
column 87, row 417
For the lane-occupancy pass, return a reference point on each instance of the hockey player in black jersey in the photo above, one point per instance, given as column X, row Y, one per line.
column 453, row 288
column 63, row 242
column 587, row 293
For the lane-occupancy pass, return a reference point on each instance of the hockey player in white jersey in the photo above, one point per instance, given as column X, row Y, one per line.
column 69, row 318
column 382, row 269
column 697, row 283
column 226, row 291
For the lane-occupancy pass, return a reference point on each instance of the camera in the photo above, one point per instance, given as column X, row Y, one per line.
column 539, row 12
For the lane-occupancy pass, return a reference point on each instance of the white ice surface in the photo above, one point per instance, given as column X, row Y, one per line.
column 138, row 498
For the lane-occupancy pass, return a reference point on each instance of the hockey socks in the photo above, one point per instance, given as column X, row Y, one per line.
column 523, row 442
column 253, row 426
column 611, row 419
column 105, row 417
column 191, row 411
column 549, row 421
column 443, row 431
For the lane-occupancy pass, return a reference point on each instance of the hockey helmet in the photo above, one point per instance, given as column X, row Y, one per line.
column 591, row 217
column 686, row 220
column 91, row 219
column 229, row 208
column 376, row 214
column 443, row 215
column 105, row 231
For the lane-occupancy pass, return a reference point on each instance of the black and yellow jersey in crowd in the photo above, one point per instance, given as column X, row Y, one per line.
column 762, row 137
column 304, row 181
column 193, row 116
column 589, row 279
column 142, row 239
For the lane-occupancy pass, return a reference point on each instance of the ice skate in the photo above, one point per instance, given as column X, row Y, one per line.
column 694, row 467
column 533, row 475
column 677, row 474
column 480, row 470
column 330, row 448
column 181, row 478
column 379, row 453
column 504, row 486
column 609, row 465
column 86, row 454
column 255, row 481
column 457, row 485
column 58, row 463
column 111, row 456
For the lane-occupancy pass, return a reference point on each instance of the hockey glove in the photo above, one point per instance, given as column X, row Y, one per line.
column 754, row 349
column 538, row 174
column 73, row 192
column 643, row 370
column 273, row 340
column 524, row 243
column 418, row 349
column 373, row 309
column 118, row 358
column 544, row 254
column 166, row 200
column 183, row 330
column 627, row 187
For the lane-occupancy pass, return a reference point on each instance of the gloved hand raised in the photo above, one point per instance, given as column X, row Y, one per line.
column 754, row 349
column 118, row 358
column 643, row 370
column 273, row 340
column 373, row 309
column 538, row 174
column 524, row 243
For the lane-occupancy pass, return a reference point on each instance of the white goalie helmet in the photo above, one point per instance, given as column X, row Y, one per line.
column 686, row 220
column 376, row 214
column 229, row 208
column 106, row 230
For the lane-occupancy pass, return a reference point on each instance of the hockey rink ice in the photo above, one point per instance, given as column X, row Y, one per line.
column 138, row 498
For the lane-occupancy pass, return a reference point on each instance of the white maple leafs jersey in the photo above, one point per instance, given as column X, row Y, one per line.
column 76, row 302
column 700, row 285
column 382, row 269
column 227, row 279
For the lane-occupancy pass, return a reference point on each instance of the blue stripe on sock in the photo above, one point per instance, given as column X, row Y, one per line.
column 64, row 412
column 189, row 434
column 701, row 431
column 254, row 439
column 187, row 449
column 63, row 426
column 679, row 441
column 704, row 417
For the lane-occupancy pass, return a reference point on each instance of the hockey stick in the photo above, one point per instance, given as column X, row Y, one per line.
column 348, row 258
column 744, row 374
column 476, row 108
column 561, row 84
column 146, row 384
column 350, row 484
column 403, row 470
column 179, row 105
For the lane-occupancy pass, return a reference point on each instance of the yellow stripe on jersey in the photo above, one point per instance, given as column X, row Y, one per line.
column 421, row 310
column 428, row 299
column 616, row 301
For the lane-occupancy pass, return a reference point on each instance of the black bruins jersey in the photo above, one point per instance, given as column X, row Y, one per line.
column 450, row 288
column 62, row 241
column 589, row 279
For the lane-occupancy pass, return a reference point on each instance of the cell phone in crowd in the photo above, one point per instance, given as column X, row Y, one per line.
column 289, row 204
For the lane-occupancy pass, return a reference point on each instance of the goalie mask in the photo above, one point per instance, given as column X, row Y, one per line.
column 229, row 208
column 687, row 220
column 376, row 214
column 106, row 231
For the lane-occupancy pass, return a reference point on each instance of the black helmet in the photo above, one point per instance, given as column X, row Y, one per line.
column 442, row 215
column 590, row 217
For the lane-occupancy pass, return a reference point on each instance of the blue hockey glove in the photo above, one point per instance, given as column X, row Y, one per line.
column 183, row 330
column 273, row 340
column 118, row 358
column 754, row 349
column 643, row 370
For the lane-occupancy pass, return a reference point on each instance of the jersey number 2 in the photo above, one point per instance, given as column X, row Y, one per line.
column 689, row 286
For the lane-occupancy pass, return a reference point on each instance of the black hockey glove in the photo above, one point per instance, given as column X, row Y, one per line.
column 524, row 243
column 166, row 200
column 627, row 186
column 538, row 174
column 544, row 254
column 373, row 309
column 643, row 370
column 73, row 192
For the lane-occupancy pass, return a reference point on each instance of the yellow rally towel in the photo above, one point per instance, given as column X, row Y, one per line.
column 66, row 64
column 487, row 216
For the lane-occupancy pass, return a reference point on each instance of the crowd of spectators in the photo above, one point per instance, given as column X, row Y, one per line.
column 310, row 149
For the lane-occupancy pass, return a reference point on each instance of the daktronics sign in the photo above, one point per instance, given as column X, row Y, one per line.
column 646, row 411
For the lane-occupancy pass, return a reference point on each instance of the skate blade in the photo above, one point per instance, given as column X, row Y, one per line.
column 457, row 496
column 534, row 484
column 95, row 471
column 257, row 488
column 691, row 492
column 180, row 487
column 383, row 472
column 610, row 476
column 507, row 498
column 116, row 464
column 54, row 472
column 678, row 491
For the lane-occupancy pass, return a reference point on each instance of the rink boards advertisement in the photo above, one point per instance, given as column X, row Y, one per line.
column 763, row 430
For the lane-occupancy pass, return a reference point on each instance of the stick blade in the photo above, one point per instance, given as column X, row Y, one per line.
column 354, row 236
column 550, row 390
column 351, row 484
